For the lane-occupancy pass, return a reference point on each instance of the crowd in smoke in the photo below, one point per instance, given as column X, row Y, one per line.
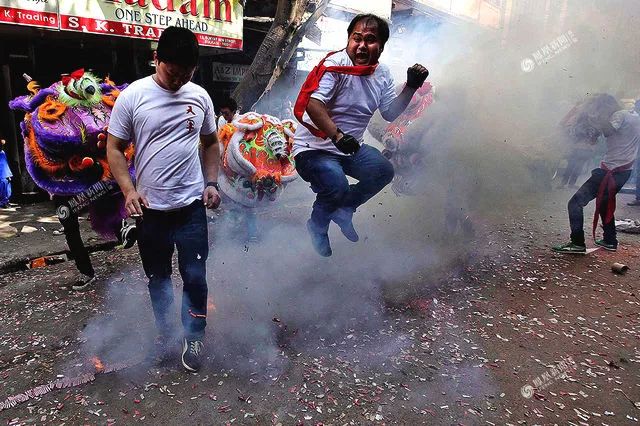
column 489, row 140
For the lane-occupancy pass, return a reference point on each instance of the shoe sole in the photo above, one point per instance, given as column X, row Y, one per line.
column 607, row 248
column 184, row 364
column 83, row 286
column 569, row 252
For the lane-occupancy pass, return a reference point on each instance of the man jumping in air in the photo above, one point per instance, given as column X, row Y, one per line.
column 340, row 96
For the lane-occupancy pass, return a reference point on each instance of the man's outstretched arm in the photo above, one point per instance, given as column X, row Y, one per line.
column 416, row 76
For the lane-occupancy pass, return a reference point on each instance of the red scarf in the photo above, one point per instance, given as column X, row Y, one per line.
column 608, row 184
column 313, row 82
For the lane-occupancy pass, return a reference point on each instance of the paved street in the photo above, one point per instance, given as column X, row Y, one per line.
column 386, row 331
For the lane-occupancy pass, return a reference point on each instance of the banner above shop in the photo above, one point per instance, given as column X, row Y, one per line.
column 216, row 23
column 34, row 13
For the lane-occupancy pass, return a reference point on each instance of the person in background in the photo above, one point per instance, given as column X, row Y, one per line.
column 621, row 129
column 228, row 109
column 5, row 177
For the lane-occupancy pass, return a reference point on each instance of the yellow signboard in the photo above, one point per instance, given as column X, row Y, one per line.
column 34, row 13
column 216, row 23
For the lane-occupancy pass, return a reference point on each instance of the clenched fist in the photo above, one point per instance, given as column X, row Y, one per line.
column 416, row 75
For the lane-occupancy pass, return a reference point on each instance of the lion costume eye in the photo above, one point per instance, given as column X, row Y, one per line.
column 51, row 110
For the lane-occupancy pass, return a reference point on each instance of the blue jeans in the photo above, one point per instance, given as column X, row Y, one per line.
column 327, row 173
column 158, row 233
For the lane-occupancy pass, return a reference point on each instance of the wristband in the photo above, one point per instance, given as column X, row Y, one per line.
column 214, row 184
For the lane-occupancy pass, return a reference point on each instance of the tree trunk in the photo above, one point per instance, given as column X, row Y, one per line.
column 276, row 50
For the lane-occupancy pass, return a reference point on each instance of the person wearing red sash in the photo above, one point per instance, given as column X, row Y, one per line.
column 622, row 132
column 334, row 106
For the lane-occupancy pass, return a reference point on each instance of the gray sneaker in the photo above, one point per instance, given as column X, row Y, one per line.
column 192, row 354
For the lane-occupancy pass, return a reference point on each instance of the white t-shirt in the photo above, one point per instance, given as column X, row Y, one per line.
column 351, row 101
column 166, row 128
column 622, row 145
column 222, row 121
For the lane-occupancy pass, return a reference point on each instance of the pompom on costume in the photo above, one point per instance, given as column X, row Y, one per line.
column 256, row 159
column 65, row 134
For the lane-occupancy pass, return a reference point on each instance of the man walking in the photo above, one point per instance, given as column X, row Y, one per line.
column 622, row 131
column 340, row 96
column 168, row 117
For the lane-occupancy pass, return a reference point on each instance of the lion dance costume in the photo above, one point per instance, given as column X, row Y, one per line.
column 405, row 154
column 65, row 132
column 256, row 162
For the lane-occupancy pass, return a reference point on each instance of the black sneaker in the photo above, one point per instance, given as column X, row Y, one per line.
column 319, row 240
column 192, row 354
column 606, row 246
column 84, row 282
column 344, row 219
column 128, row 234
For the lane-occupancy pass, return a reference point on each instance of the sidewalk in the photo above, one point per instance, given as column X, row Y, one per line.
column 26, row 233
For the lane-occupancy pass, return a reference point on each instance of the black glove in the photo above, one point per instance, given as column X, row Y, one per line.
column 347, row 144
column 416, row 75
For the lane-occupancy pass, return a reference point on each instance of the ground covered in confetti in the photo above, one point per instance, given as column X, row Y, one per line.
column 497, row 331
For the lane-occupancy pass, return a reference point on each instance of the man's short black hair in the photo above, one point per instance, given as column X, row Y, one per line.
column 228, row 103
column 371, row 20
column 178, row 46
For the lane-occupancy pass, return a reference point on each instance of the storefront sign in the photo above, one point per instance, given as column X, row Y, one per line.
column 34, row 13
column 230, row 73
column 216, row 23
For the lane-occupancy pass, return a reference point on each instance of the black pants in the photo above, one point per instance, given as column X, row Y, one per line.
column 78, row 251
column 587, row 192
column 159, row 232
